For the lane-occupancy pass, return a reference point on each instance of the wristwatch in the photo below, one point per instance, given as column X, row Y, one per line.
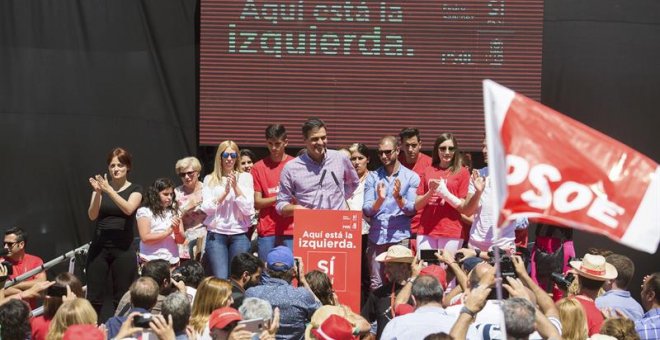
column 468, row 312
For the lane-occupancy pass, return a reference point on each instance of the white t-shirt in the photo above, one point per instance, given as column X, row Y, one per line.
column 482, row 233
column 166, row 249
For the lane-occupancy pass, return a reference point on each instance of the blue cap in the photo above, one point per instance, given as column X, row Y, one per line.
column 280, row 259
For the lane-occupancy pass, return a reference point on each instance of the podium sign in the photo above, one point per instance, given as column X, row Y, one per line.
column 330, row 241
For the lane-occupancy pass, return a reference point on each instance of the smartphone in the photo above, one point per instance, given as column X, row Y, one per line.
column 428, row 256
column 142, row 320
column 253, row 325
column 9, row 266
column 56, row 291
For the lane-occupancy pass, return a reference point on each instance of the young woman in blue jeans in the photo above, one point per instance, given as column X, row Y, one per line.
column 228, row 201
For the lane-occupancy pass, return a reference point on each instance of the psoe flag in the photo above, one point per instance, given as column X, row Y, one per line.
column 551, row 168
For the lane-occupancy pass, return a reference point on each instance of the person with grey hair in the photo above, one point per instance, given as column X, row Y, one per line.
column 177, row 305
column 255, row 308
column 519, row 318
column 429, row 316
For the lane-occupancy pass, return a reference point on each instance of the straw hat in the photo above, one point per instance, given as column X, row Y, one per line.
column 396, row 253
column 594, row 267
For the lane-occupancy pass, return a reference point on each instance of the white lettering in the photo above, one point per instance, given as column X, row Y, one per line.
column 539, row 177
column 562, row 195
column 518, row 169
column 604, row 211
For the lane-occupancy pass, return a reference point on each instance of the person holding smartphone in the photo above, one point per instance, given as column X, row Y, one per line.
column 159, row 223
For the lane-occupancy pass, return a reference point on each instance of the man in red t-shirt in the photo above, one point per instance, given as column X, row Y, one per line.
column 413, row 159
column 592, row 272
column 21, row 262
column 273, row 229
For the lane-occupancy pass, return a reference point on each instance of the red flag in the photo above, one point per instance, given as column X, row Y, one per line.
column 549, row 167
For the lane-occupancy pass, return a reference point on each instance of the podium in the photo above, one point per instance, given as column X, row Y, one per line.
column 331, row 241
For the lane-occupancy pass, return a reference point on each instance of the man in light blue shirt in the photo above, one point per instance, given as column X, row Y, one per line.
column 389, row 200
column 617, row 295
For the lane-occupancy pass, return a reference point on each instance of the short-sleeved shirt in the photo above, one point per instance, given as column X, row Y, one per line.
column 621, row 299
column 266, row 174
column 113, row 227
column 423, row 162
column 438, row 217
column 165, row 249
column 24, row 265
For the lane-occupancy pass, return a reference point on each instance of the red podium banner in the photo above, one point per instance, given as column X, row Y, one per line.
column 330, row 241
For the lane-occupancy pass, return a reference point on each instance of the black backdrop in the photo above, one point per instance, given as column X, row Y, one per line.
column 80, row 77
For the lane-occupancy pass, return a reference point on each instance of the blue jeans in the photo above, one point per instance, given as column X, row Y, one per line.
column 220, row 249
column 266, row 243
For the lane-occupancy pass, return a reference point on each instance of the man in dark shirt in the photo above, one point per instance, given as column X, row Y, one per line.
column 245, row 272
column 379, row 307
column 296, row 304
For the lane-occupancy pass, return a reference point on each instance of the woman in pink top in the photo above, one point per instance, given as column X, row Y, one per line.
column 443, row 196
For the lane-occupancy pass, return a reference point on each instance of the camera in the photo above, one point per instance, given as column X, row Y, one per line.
column 563, row 282
column 142, row 320
column 506, row 264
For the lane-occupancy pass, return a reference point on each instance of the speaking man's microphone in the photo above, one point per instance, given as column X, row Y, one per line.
column 341, row 188
column 319, row 187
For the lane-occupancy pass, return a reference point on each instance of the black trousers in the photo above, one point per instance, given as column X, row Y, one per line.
column 121, row 264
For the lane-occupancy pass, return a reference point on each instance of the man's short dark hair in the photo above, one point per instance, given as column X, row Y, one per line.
column 625, row 269
column 276, row 131
column 519, row 317
column 191, row 273
column 159, row 270
column 244, row 262
column 144, row 293
column 427, row 289
column 286, row 275
column 178, row 306
column 21, row 235
column 653, row 285
column 408, row 132
column 14, row 320
column 590, row 283
column 311, row 124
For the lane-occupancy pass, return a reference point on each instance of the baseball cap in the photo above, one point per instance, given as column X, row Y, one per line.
column 280, row 259
column 83, row 332
column 437, row 272
column 222, row 317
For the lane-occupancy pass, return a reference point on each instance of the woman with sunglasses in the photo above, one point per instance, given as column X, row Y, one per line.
column 443, row 196
column 112, row 208
column 189, row 198
column 228, row 201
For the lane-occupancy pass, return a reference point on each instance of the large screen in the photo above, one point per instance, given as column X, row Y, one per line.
column 368, row 68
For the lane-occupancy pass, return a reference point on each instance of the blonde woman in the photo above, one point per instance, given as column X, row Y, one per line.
column 212, row 293
column 75, row 312
column 189, row 198
column 228, row 201
column 573, row 319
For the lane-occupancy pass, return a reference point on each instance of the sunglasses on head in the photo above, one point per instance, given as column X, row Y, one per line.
column 233, row 155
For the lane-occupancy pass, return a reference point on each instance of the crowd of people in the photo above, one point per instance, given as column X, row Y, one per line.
column 215, row 255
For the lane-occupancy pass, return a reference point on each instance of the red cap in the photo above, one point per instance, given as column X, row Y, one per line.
column 222, row 317
column 437, row 272
column 83, row 332
column 334, row 328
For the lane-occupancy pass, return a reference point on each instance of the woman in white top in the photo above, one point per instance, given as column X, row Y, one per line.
column 228, row 201
column 158, row 223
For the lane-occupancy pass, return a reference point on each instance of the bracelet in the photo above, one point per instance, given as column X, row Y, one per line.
column 411, row 279
column 465, row 310
column 356, row 330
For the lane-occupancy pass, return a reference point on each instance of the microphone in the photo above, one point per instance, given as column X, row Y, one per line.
column 341, row 189
column 319, row 187
column 323, row 176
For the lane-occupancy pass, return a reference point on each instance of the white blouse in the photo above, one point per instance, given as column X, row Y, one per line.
column 233, row 215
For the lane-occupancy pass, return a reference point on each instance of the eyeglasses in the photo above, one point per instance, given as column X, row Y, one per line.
column 189, row 173
column 447, row 148
column 384, row 152
column 233, row 155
